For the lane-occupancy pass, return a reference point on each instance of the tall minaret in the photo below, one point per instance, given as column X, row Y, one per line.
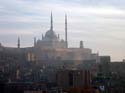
column 66, row 31
column 18, row 43
column 34, row 41
column 42, row 37
column 51, row 28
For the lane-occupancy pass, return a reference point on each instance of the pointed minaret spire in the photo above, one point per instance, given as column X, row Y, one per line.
column 66, row 31
column 51, row 28
column 18, row 43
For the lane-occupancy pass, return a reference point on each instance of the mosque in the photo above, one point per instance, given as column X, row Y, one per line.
column 51, row 47
column 46, row 56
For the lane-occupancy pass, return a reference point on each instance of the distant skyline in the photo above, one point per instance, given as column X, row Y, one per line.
column 99, row 23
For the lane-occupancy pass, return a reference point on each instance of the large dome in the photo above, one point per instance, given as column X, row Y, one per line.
column 50, row 35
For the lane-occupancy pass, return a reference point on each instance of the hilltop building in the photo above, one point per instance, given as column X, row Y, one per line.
column 51, row 47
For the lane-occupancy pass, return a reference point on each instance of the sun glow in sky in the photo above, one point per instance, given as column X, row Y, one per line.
column 99, row 23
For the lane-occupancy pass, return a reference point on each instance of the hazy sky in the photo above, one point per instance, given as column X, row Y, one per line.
column 99, row 23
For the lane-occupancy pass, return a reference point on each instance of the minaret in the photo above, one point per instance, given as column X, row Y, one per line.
column 81, row 44
column 66, row 31
column 34, row 41
column 18, row 43
column 51, row 28
column 42, row 37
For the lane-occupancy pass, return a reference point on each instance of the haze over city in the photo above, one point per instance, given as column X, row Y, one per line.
column 99, row 23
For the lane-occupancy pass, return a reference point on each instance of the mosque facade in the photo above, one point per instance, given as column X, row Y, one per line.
column 51, row 47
